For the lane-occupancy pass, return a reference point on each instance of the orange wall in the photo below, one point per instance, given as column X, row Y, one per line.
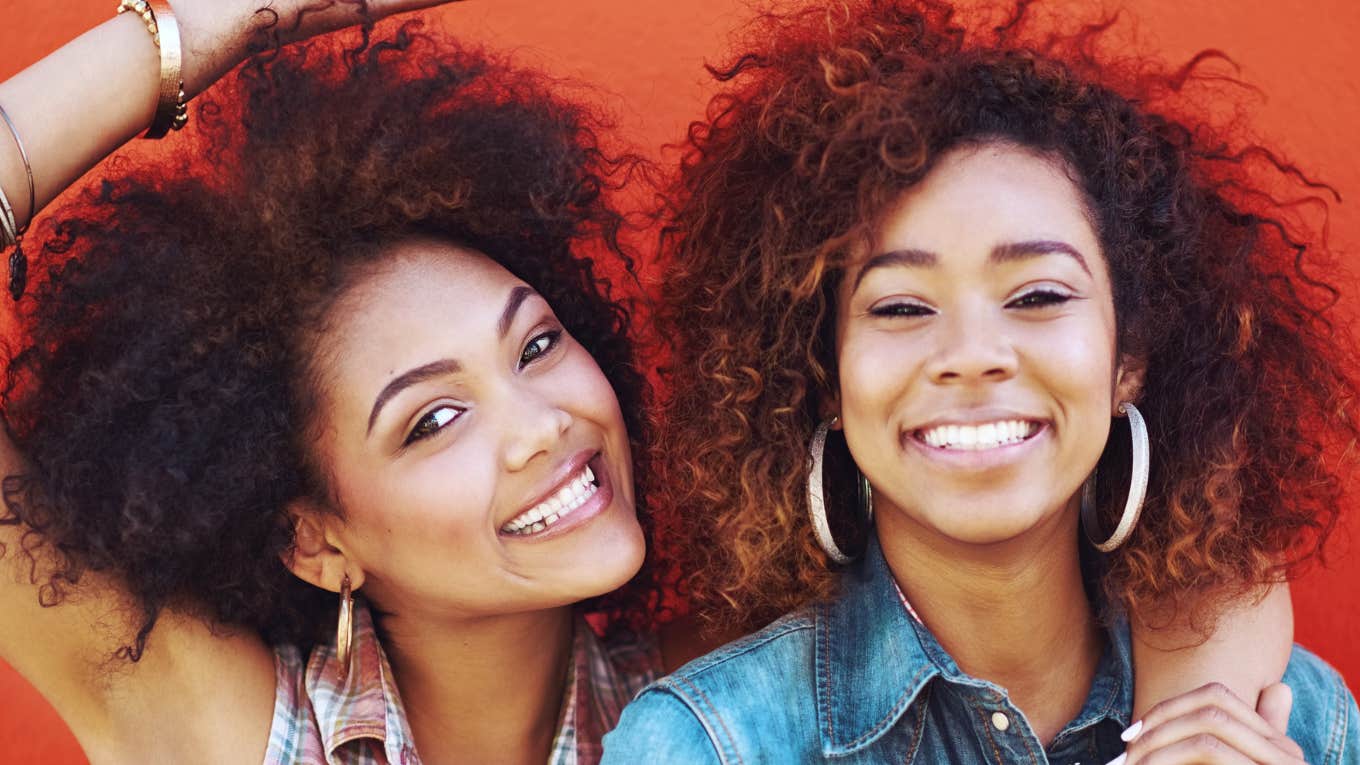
column 647, row 54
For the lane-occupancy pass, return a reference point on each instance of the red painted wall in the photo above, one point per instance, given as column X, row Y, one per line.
column 647, row 55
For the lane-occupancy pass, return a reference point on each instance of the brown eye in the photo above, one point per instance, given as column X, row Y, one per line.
column 433, row 422
column 908, row 310
column 540, row 345
column 1039, row 299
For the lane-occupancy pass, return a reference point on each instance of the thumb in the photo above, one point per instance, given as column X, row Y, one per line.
column 1274, row 705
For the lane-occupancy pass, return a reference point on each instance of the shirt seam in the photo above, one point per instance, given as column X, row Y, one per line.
column 722, row 655
column 1337, row 736
column 920, row 732
column 982, row 718
column 707, row 703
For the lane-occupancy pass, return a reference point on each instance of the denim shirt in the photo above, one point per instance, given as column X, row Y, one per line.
column 858, row 680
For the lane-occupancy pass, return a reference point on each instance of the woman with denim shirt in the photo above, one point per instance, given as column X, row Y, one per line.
column 1024, row 307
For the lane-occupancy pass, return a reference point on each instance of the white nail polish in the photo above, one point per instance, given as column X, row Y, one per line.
column 1132, row 731
column 1118, row 760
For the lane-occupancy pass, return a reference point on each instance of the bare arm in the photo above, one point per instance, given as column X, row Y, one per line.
column 1247, row 652
column 84, row 100
column 72, row 109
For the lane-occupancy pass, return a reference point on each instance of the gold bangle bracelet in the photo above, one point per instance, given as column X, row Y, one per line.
column 172, row 113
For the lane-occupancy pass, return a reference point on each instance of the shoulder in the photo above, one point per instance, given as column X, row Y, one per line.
column 1324, row 721
column 773, row 657
column 659, row 727
column 713, row 708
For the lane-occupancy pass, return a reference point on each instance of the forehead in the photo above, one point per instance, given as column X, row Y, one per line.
column 425, row 301
column 987, row 194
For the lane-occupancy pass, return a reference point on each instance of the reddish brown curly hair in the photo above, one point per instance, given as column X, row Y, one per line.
column 827, row 115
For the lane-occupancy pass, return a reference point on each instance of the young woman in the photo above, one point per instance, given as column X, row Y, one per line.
column 246, row 400
column 321, row 436
column 964, row 251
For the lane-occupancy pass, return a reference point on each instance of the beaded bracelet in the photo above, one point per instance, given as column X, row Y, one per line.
column 172, row 111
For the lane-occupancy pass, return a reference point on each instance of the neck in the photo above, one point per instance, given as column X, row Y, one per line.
column 482, row 690
column 1014, row 613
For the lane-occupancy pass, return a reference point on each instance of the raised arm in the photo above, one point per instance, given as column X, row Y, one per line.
column 1247, row 652
column 206, row 692
column 84, row 100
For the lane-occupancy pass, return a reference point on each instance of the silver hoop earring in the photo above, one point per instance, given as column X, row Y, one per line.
column 1133, row 506
column 817, row 497
column 866, row 498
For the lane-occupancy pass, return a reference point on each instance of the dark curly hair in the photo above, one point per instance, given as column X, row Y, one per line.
column 165, row 397
column 826, row 116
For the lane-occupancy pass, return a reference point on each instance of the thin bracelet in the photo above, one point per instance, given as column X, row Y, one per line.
column 172, row 112
column 28, row 168
column 18, row 262
column 7, row 227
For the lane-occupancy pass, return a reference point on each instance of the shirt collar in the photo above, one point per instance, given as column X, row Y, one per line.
column 873, row 659
column 870, row 663
column 366, row 704
column 368, row 707
column 600, row 682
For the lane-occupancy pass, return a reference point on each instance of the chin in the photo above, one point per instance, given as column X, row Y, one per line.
column 612, row 558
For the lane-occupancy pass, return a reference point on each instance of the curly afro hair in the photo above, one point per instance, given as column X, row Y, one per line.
column 164, row 394
column 826, row 116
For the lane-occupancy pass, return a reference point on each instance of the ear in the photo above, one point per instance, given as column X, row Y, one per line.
column 828, row 408
column 1128, row 381
column 314, row 557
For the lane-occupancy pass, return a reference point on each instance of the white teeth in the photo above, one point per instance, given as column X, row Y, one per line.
column 551, row 510
column 977, row 437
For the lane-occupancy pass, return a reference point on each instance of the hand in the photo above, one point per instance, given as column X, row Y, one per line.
column 1211, row 726
column 216, row 33
column 1274, row 704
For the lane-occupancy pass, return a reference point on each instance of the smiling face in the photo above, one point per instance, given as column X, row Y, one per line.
column 477, row 451
column 976, row 350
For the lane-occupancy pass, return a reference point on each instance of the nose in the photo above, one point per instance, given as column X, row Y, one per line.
column 534, row 426
column 971, row 347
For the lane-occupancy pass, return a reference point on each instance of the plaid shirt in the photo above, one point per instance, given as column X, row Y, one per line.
column 318, row 721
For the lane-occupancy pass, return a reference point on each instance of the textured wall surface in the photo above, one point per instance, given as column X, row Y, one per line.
column 646, row 57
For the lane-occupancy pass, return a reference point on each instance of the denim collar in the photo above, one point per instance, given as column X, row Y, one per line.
column 873, row 660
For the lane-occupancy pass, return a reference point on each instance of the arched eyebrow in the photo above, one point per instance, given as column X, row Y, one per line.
column 517, row 297
column 1002, row 253
column 407, row 379
column 1012, row 251
column 445, row 366
column 908, row 258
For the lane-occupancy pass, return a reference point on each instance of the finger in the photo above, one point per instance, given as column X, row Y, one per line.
column 1198, row 750
column 1211, row 695
column 1217, row 725
column 1274, row 705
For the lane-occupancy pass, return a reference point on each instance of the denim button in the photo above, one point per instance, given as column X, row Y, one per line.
column 1000, row 720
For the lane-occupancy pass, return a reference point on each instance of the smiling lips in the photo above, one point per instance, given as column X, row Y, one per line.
column 575, row 493
column 988, row 435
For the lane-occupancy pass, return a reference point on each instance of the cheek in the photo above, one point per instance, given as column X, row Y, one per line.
column 1076, row 363
column 875, row 369
column 442, row 499
column 586, row 392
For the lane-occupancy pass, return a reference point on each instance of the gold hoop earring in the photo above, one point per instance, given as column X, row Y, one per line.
column 344, row 629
